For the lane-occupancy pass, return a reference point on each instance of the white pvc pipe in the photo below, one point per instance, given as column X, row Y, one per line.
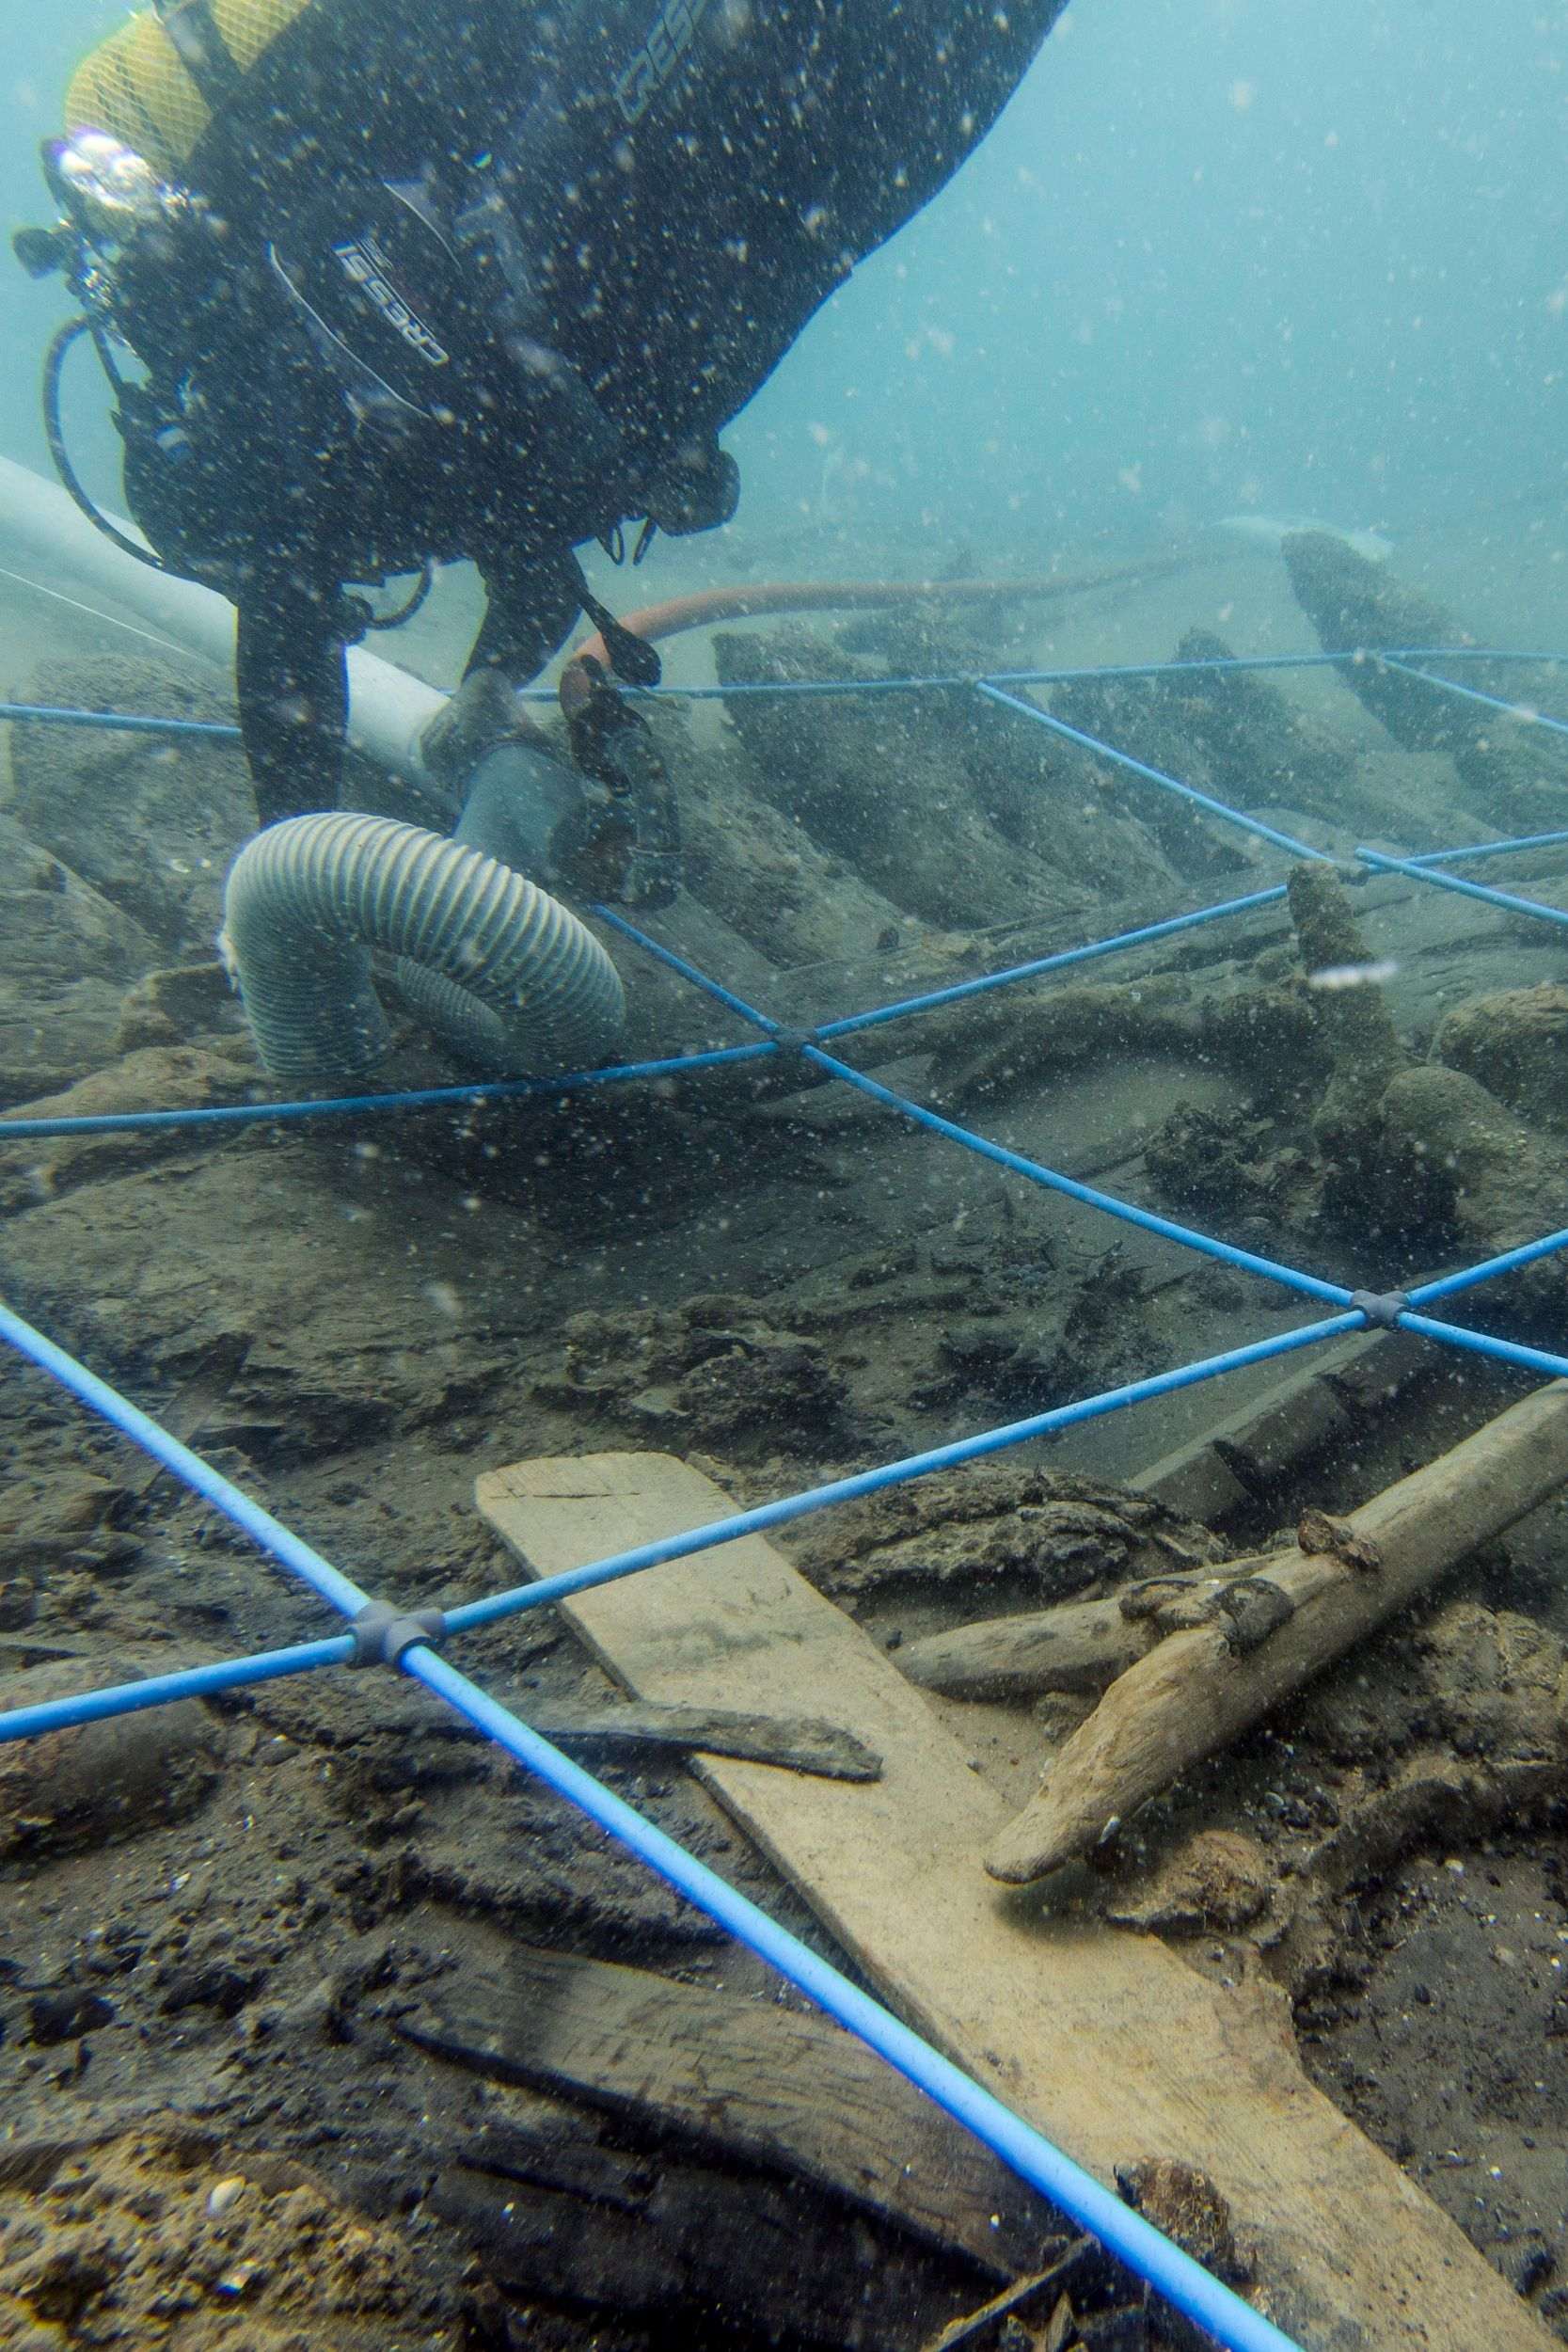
column 44, row 531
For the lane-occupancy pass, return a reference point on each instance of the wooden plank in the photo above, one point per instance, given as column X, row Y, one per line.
column 734, row 2079
column 804, row 1743
column 1105, row 2039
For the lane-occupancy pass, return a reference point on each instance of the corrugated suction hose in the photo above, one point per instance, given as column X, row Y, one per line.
column 502, row 974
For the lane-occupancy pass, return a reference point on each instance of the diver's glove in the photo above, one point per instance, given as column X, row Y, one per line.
column 629, row 844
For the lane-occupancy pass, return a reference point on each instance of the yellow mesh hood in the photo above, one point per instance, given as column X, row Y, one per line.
column 134, row 85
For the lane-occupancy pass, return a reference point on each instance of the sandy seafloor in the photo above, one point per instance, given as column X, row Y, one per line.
column 221, row 1945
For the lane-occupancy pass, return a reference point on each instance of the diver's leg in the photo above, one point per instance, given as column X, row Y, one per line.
column 291, row 685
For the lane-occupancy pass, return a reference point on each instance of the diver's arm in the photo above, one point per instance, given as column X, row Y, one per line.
column 292, row 684
column 624, row 840
column 532, row 602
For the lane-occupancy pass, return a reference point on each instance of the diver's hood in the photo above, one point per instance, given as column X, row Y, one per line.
column 383, row 294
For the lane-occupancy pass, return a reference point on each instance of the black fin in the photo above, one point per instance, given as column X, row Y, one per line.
column 631, row 658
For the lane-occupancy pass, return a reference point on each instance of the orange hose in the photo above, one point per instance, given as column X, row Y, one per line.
column 705, row 605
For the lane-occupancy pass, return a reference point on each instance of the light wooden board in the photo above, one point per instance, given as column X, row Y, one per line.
column 1106, row 2040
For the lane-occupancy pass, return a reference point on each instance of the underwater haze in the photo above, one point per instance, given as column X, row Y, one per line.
column 1028, row 1079
column 1219, row 256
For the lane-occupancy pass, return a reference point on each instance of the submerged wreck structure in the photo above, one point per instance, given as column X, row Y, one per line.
column 999, row 1426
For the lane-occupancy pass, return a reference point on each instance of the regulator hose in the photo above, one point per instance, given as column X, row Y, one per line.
column 53, row 431
column 502, row 973
column 704, row 606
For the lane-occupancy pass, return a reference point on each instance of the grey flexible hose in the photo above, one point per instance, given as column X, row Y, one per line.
column 506, row 977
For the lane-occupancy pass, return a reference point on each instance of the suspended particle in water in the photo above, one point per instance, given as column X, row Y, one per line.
column 1336, row 976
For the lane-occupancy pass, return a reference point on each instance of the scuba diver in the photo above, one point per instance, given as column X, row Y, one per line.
column 478, row 278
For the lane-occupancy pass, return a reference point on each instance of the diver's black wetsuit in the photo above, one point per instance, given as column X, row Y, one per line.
column 689, row 183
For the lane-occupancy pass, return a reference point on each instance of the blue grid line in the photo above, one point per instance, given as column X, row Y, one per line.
column 132, row 723
column 199, row 1475
column 1525, row 714
column 361, row 1105
column 1485, row 1344
column 806, row 689
column 1507, row 1261
column 678, row 1065
column 1154, row 776
column 1353, row 658
column 854, row 1022
column 1486, row 848
column 1507, row 899
column 186, row 1682
column 1220, row 664
column 119, row 721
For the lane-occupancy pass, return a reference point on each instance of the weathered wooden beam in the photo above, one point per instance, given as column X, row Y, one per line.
column 740, row 2081
column 1275, row 1628
column 1075, row 1646
column 798, row 1743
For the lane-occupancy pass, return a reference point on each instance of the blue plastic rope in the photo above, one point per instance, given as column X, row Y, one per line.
column 1486, row 848
column 1430, row 874
column 806, row 689
column 855, row 1022
column 1508, row 1262
column 189, row 1682
column 118, row 721
column 1355, row 658
column 1154, row 776
column 128, row 723
column 1352, row 657
column 1482, row 1343
column 360, row 1105
column 1526, row 715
